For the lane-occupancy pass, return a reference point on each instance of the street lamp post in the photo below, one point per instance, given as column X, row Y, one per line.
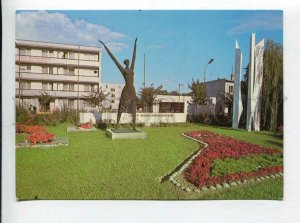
column 209, row 62
column 179, row 85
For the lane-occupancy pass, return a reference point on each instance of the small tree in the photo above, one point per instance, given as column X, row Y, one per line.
column 96, row 97
column 44, row 100
column 199, row 94
column 148, row 97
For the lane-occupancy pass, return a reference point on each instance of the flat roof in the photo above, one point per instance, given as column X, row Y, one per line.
column 49, row 45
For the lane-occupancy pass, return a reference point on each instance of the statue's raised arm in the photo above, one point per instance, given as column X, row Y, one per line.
column 112, row 57
column 133, row 56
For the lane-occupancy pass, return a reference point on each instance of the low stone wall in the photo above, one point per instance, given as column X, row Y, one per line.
column 147, row 118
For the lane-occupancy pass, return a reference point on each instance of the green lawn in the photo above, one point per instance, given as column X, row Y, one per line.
column 96, row 167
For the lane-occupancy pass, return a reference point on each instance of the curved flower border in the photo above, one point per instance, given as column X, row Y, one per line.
column 197, row 169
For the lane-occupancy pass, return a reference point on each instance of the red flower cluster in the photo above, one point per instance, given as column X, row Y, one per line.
column 40, row 137
column 87, row 125
column 221, row 147
column 20, row 128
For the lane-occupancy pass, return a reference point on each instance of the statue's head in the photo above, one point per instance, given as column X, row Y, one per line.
column 126, row 62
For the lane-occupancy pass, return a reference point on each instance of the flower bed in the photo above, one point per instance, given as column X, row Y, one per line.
column 37, row 133
column 87, row 125
column 20, row 128
column 221, row 147
column 40, row 137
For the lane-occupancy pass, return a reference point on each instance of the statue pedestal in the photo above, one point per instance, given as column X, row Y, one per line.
column 126, row 134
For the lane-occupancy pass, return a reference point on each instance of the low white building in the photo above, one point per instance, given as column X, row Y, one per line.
column 168, row 109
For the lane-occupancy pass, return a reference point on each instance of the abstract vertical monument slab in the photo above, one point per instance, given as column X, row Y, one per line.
column 250, row 83
column 237, row 98
column 257, row 90
column 255, row 78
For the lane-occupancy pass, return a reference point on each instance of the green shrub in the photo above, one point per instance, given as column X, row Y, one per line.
column 57, row 116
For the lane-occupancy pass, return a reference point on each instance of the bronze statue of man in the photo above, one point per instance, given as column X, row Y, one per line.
column 128, row 97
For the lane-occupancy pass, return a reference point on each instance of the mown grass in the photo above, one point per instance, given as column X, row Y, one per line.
column 96, row 167
column 246, row 164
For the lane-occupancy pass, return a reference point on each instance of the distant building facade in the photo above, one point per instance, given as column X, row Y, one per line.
column 114, row 91
column 217, row 91
column 66, row 72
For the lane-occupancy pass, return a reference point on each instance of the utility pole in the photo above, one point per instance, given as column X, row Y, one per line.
column 19, row 75
column 144, row 83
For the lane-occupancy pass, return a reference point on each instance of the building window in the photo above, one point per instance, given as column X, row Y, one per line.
column 71, row 87
column 45, row 70
column 28, row 68
column 71, row 71
column 45, row 86
column 112, row 90
column 66, row 87
column 72, row 55
column 65, row 55
column 71, row 103
column 231, row 89
column 25, row 51
column 87, row 56
column 50, row 70
column 23, row 68
column 112, row 101
column 112, row 95
column 51, row 53
column 64, row 102
column 45, row 53
column 66, row 71
column 87, row 87
column 26, row 85
column 171, row 107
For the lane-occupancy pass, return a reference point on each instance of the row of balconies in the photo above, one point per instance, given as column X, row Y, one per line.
column 56, row 61
column 57, row 78
column 53, row 93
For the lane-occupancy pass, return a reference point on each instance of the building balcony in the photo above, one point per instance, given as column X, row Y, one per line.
column 57, row 78
column 55, row 93
column 53, row 61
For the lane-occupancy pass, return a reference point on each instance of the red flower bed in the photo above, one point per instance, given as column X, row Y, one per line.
column 38, row 133
column 87, row 125
column 40, row 137
column 20, row 128
column 221, row 147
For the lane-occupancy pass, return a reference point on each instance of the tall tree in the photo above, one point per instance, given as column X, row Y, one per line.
column 148, row 97
column 199, row 94
column 272, row 88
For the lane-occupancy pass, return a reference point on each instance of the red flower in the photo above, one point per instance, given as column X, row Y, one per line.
column 87, row 125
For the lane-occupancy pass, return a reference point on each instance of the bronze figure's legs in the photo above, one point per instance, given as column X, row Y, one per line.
column 134, row 114
column 118, row 118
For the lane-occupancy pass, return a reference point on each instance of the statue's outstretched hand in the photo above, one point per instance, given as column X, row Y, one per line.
column 101, row 42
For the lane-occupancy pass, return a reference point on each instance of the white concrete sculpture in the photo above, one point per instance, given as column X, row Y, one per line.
column 255, row 77
column 257, row 90
column 237, row 98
